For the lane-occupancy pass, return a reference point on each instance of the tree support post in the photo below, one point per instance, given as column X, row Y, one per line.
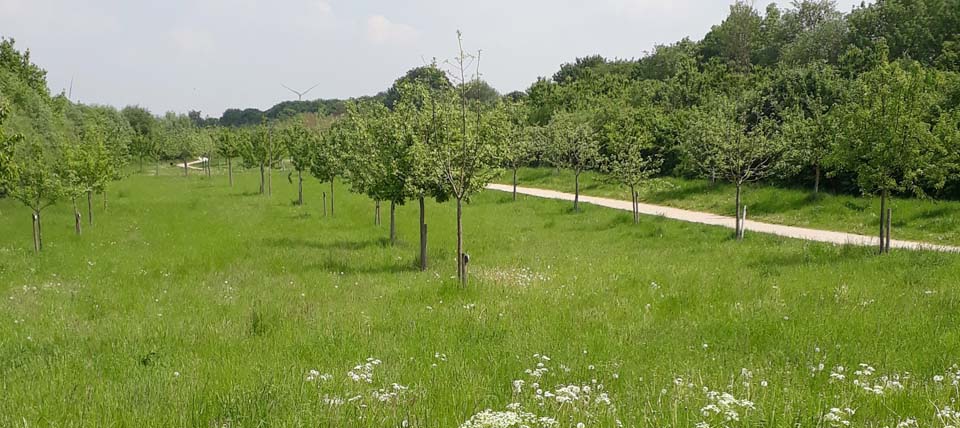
column 423, row 236
column 90, row 207
column 889, row 227
column 883, row 222
column 393, row 223
column 36, row 232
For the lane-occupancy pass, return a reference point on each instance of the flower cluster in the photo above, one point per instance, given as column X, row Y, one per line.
column 838, row 417
column 364, row 372
column 724, row 407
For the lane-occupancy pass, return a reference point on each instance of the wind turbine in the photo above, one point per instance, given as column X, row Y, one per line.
column 300, row 94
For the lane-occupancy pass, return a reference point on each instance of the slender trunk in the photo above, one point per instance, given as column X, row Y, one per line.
column 816, row 179
column 883, row 220
column 263, row 178
column 104, row 198
column 743, row 223
column 889, row 226
column 393, row 223
column 514, row 184
column 576, row 192
column 376, row 213
column 39, row 230
column 35, row 219
column 77, row 221
column 207, row 163
column 185, row 168
column 230, row 170
column 461, row 265
column 324, row 204
column 90, row 207
column 633, row 197
column 738, row 222
column 423, row 235
column 269, row 180
column 331, row 197
column 299, row 188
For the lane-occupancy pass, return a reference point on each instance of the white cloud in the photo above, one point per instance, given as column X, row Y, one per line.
column 381, row 30
column 192, row 41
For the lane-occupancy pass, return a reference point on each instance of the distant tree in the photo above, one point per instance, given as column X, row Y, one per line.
column 228, row 145
column 328, row 157
column 521, row 142
column 574, row 145
column 631, row 161
column 428, row 75
column 723, row 142
column 301, row 145
column 143, row 125
column 179, row 138
column 35, row 181
column 260, row 150
column 888, row 138
column 737, row 38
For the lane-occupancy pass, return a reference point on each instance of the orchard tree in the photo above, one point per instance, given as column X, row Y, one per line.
column 723, row 142
column 888, row 137
column 35, row 181
column 229, row 143
column 328, row 157
column 574, row 145
column 301, row 144
column 261, row 151
column 521, row 142
column 86, row 168
column 631, row 160
column 467, row 151
column 8, row 145
column 143, row 126
column 179, row 139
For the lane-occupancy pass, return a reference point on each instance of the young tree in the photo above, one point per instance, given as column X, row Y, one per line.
column 328, row 157
column 301, row 144
column 722, row 142
column 35, row 181
column 143, row 125
column 467, row 152
column 521, row 142
column 179, row 139
column 86, row 168
column 228, row 145
column 631, row 162
column 887, row 137
column 575, row 146
column 260, row 150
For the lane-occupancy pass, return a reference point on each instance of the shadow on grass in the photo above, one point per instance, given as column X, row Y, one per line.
column 818, row 255
column 684, row 192
column 342, row 245
column 348, row 265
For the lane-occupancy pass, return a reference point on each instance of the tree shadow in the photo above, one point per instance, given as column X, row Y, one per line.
column 342, row 266
column 683, row 192
column 342, row 245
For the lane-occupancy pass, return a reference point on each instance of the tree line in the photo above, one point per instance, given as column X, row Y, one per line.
column 864, row 101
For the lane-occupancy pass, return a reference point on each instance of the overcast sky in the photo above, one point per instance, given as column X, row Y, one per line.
column 209, row 55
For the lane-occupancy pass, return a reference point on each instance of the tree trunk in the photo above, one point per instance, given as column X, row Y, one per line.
column 207, row 163
column 104, row 199
column 636, row 213
column 738, row 222
column 263, row 179
column 816, row 179
column 185, row 169
column 90, row 207
column 35, row 218
column 393, row 223
column 461, row 266
column 376, row 213
column 77, row 221
column 39, row 230
column 230, row 170
column 423, row 235
column 300, row 188
column 883, row 221
column 324, row 204
column 889, row 226
column 269, row 180
column 331, row 197
column 576, row 192
column 514, row 184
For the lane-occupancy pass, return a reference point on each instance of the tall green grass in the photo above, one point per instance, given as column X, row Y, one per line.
column 926, row 220
column 193, row 304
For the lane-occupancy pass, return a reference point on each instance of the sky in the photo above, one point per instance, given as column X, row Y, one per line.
column 209, row 55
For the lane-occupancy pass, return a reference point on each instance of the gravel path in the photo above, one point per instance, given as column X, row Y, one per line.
column 840, row 238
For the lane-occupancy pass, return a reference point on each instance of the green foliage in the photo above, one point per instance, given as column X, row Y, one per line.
column 573, row 143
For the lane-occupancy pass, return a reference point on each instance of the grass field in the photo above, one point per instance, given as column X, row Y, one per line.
column 925, row 220
column 192, row 304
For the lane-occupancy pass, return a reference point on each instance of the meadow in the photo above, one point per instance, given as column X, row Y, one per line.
column 190, row 303
column 926, row 220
